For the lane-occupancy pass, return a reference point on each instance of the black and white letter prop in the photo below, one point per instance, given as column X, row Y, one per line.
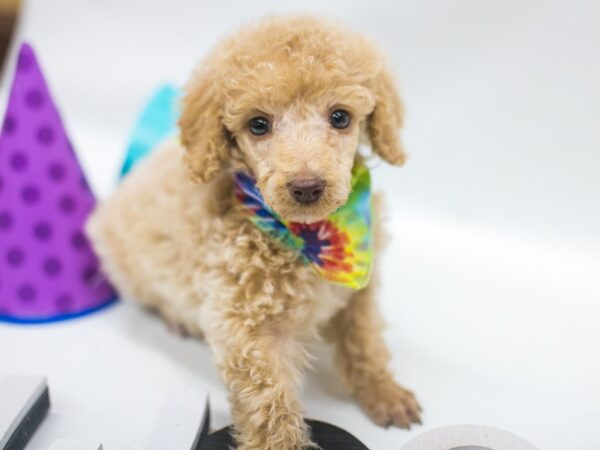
column 24, row 403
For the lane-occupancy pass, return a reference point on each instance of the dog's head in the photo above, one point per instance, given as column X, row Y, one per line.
column 288, row 99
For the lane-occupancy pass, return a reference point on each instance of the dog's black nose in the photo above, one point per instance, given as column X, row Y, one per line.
column 306, row 190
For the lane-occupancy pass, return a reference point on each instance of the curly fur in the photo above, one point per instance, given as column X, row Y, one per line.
column 171, row 238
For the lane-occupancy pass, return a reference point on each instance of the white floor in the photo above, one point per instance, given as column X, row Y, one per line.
column 492, row 282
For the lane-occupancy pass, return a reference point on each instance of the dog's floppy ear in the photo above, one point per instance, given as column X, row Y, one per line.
column 205, row 138
column 385, row 121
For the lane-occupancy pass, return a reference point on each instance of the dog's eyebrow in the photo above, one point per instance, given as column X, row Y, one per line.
column 355, row 97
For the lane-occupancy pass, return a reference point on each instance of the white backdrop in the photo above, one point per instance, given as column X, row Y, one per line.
column 492, row 281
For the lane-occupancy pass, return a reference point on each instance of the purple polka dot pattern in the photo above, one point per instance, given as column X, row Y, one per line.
column 45, row 135
column 19, row 161
column 51, row 270
column 34, row 98
column 30, row 194
column 26, row 293
column 42, row 231
column 56, row 172
column 88, row 274
column 14, row 257
column 79, row 241
column 66, row 204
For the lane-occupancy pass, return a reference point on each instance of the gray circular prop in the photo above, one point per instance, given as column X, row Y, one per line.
column 467, row 437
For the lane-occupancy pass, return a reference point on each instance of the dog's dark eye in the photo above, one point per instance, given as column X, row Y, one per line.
column 339, row 119
column 259, row 125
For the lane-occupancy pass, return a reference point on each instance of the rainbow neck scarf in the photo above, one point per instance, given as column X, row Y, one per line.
column 339, row 248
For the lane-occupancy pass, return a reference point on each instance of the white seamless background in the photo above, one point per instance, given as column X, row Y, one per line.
column 492, row 280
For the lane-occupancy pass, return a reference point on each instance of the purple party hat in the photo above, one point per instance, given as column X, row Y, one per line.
column 48, row 270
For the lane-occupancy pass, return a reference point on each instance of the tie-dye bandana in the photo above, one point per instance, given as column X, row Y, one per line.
column 340, row 248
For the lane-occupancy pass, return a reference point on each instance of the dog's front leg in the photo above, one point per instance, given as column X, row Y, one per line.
column 362, row 359
column 262, row 363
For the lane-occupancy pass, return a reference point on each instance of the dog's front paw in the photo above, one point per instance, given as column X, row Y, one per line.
column 389, row 404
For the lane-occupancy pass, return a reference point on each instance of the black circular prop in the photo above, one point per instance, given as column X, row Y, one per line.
column 328, row 437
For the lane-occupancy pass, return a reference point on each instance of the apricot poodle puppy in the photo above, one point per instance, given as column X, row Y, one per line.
column 287, row 100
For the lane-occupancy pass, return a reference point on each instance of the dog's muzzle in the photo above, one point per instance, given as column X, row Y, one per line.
column 306, row 190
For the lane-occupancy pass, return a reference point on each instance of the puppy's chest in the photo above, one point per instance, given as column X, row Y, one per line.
column 328, row 299
column 322, row 299
column 248, row 253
